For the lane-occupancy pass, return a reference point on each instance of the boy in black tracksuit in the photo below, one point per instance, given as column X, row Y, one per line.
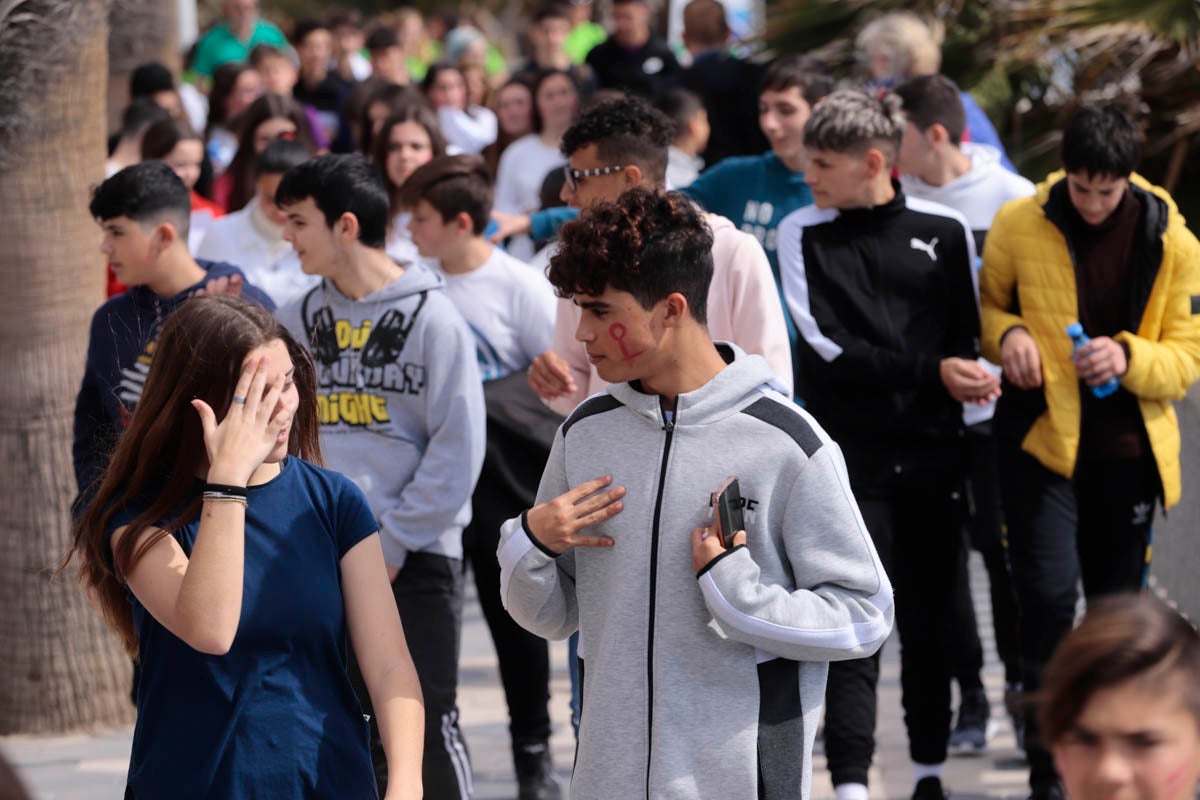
column 880, row 287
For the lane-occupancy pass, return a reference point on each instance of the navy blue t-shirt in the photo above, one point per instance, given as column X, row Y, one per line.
column 276, row 716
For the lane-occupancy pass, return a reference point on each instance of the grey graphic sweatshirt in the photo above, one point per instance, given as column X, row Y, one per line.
column 401, row 405
column 702, row 686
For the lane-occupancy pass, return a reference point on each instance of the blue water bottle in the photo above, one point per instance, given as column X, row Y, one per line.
column 1075, row 331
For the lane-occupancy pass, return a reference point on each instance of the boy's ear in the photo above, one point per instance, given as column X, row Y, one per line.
column 876, row 162
column 633, row 175
column 937, row 133
column 676, row 309
column 163, row 236
column 346, row 228
column 463, row 223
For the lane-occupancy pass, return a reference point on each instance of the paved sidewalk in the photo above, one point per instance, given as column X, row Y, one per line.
column 93, row 767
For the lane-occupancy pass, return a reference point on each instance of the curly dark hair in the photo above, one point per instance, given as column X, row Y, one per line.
column 650, row 243
column 626, row 130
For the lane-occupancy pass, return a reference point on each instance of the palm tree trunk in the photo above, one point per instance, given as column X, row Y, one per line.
column 62, row 670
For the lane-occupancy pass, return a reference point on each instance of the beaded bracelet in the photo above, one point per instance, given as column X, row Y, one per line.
column 223, row 497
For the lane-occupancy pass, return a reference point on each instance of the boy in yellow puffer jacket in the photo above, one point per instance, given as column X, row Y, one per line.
column 1080, row 475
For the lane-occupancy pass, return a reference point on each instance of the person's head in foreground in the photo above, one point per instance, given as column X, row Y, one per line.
column 1121, row 703
column 853, row 139
column 336, row 207
column 202, row 353
column 639, row 268
column 1100, row 150
column 617, row 144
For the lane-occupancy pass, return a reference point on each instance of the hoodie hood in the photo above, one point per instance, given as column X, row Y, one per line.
column 739, row 383
column 417, row 278
column 979, row 193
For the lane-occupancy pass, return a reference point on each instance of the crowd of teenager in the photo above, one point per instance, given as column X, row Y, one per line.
column 387, row 307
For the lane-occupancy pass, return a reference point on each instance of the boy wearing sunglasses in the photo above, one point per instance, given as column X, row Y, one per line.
column 616, row 146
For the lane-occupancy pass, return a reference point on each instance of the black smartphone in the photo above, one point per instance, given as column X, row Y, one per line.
column 729, row 511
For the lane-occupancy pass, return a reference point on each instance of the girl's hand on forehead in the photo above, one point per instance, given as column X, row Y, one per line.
column 243, row 439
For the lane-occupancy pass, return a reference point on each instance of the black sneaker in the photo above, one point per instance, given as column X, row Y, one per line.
column 974, row 727
column 929, row 789
column 535, row 774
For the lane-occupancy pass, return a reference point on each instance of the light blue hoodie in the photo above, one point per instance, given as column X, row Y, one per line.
column 401, row 405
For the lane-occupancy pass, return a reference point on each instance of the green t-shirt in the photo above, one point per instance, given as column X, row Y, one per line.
column 418, row 65
column 220, row 46
column 582, row 39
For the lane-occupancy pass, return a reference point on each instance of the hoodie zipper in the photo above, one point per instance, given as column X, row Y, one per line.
column 669, row 427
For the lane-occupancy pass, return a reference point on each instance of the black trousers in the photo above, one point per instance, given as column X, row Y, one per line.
column 1093, row 527
column 985, row 534
column 429, row 595
column 914, row 513
column 524, row 657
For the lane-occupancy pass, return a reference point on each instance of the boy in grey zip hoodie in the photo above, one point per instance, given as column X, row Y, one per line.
column 402, row 414
column 703, row 667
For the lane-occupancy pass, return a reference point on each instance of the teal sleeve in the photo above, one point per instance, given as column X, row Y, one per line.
column 706, row 188
column 544, row 224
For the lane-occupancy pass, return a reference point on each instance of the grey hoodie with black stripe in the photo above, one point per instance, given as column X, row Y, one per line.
column 709, row 686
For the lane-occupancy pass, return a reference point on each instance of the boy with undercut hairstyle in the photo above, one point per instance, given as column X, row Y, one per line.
column 702, row 658
column 144, row 211
column 509, row 307
column 401, row 407
column 880, row 286
column 1082, row 470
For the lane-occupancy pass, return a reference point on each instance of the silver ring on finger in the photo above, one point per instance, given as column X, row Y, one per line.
column 240, row 399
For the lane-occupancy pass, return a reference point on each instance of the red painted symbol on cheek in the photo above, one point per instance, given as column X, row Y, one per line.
column 617, row 332
column 1173, row 780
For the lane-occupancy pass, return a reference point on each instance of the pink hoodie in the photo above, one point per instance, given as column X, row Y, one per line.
column 743, row 308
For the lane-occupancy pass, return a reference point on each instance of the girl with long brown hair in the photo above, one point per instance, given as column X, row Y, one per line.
column 407, row 139
column 268, row 118
column 234, row 567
